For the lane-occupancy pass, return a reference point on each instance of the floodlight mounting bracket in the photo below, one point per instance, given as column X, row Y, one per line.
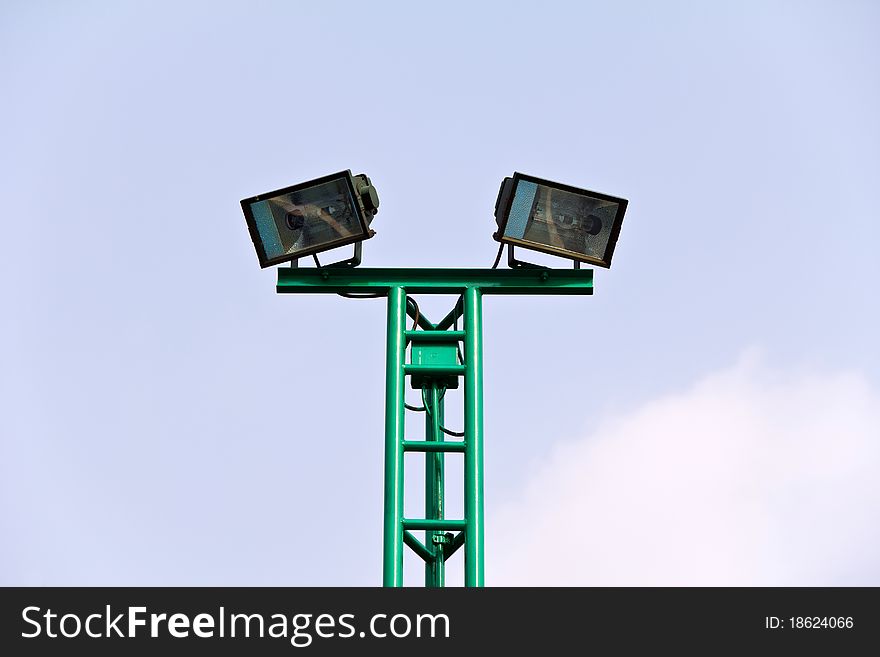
column 353, row 261
column 513, row 263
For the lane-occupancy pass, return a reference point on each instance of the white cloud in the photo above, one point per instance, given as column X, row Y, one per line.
column 752, row 477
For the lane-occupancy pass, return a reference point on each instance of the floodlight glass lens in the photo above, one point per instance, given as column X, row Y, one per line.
column 300, row 220
column 560, row 219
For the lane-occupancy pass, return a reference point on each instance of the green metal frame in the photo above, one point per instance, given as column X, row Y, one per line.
column 443, row 536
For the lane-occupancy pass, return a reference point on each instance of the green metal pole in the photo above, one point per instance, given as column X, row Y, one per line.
column 435, row 569
column 392, row 570
column 473, row 423
column 471, row 284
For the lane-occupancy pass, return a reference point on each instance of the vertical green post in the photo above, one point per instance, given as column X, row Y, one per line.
column 434, row 570
column 392, row 570
column 473, row 427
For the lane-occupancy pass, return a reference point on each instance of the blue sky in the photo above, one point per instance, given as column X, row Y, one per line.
column 168, row 419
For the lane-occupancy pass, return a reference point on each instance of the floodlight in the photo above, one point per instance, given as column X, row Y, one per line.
column 311, row 217
column 558, row 219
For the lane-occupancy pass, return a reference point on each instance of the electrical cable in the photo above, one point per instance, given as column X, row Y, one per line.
column 498, row 257
column 448, row 432
column 419, row 409
column 409, row 299
column 361, row 295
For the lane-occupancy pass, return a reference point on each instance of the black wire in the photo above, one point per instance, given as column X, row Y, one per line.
column 448, row 432
column 416, row 306
column 419, row 409
column 498, row 257
column 361, row 295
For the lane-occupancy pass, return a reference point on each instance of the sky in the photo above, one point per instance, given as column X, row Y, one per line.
column 708, row 417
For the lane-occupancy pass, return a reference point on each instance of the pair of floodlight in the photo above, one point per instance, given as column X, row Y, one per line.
column 336, row 210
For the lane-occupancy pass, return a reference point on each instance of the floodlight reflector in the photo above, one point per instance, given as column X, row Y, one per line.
column 558, row 219
column 311, row 217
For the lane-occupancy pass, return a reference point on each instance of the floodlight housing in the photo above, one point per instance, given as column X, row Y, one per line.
column 311, row 217
column 557, row 219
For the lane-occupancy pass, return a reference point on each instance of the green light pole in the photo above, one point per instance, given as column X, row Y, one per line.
column 434, row 365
